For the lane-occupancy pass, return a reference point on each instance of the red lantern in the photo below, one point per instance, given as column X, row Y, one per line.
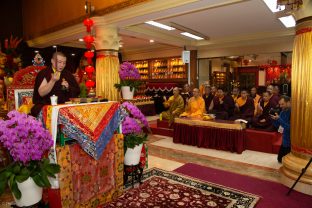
column 90, row 83
column 89, row 69
column 88, row 39
column 88, row 23
column 89, row 55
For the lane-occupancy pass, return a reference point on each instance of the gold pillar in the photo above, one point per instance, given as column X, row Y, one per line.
column 301, row 112
column 107, row 62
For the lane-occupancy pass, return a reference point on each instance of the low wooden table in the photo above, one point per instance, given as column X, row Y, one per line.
column 215, row 134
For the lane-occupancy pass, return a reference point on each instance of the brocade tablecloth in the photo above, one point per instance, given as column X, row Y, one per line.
column 220, row 135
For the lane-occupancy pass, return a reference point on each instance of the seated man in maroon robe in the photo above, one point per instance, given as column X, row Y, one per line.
column 222, row 105
column 55, row 80
column 274, row 97
column 208, row 97
column 263, row 120
column 244, row 107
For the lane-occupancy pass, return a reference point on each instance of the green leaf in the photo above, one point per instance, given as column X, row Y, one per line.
column 21, row 178
column 25, row 171
column 38, row 180
column 45, row 179
column 11, row 181
column 14, row 188
column 5, row 175
column 53, row 168
column 16, row 169
column 3, row 184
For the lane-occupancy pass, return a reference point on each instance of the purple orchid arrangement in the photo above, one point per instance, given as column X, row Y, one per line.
column 128, row 71
column 129, row 76
column 27, row 141
column 132, row 126
column 24, row 137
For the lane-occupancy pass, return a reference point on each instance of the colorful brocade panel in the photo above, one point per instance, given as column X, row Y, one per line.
column 85, row 182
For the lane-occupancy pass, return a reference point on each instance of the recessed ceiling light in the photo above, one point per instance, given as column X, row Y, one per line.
column 36, row 51
column 151, row 41
column 54, row 46
column 288, row 21
column 191, row 36
column 80, row 40
column 272, row 4
column 162, row 26
column 73, row 54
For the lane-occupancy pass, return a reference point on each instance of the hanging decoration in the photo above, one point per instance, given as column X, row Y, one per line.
column 277, row 74
column 89, row 54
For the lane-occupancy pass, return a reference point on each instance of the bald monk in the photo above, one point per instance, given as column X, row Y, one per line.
column 55, row 80
column 195, row 106
column 263, row 120
column 175, row 104
column 222, row 105
column 244, row 107
column 235, row 93
column 274, row 99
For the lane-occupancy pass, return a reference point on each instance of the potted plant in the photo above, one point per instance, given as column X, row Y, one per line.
column 129, row 80
column 134, row 137
column 27, row 141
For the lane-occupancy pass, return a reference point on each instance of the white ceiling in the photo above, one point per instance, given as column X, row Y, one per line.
column 223, row 21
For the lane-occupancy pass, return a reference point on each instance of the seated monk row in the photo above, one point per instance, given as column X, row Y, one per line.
column 194, row 108
column 253, row 109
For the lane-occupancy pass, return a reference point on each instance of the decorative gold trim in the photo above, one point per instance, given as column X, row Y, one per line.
column 303, row 30
column 215, row 124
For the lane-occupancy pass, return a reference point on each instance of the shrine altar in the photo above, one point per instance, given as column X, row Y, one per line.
column 91, row 169
column 215, row 134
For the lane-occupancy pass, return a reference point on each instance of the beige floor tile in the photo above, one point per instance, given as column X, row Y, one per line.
column 161, row 163
column 248, row 156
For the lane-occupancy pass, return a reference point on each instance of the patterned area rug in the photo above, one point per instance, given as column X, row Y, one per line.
column 167, row 189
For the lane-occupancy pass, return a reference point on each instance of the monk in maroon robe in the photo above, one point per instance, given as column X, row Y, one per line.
column 244, row 107
column 263, row 120
column 55, row 80
column 274, row 99
column 208, row 97
column 222, row 105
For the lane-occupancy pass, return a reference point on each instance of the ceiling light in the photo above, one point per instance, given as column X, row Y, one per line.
column 272, row 4
column 54, row 46
column 36, row 51
column 288, row 21
column 80, row 40
column 190, row 35
column 162, row 26
column 151, row 41
column 73, row 54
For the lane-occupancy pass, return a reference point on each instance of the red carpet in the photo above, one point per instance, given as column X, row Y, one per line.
column 273, row 194
column 165, row 189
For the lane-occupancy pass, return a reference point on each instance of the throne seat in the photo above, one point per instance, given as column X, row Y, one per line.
column 22, row 86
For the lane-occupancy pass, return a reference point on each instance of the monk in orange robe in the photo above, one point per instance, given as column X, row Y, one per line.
column 195, row 106
column 255, row 97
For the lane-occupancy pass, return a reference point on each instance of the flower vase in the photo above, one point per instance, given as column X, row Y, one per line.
column 127, row 94
column 31, row 193
column 132, row 156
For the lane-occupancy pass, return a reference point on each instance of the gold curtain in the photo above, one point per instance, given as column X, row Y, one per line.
column 107, row 67
column 301, row 115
